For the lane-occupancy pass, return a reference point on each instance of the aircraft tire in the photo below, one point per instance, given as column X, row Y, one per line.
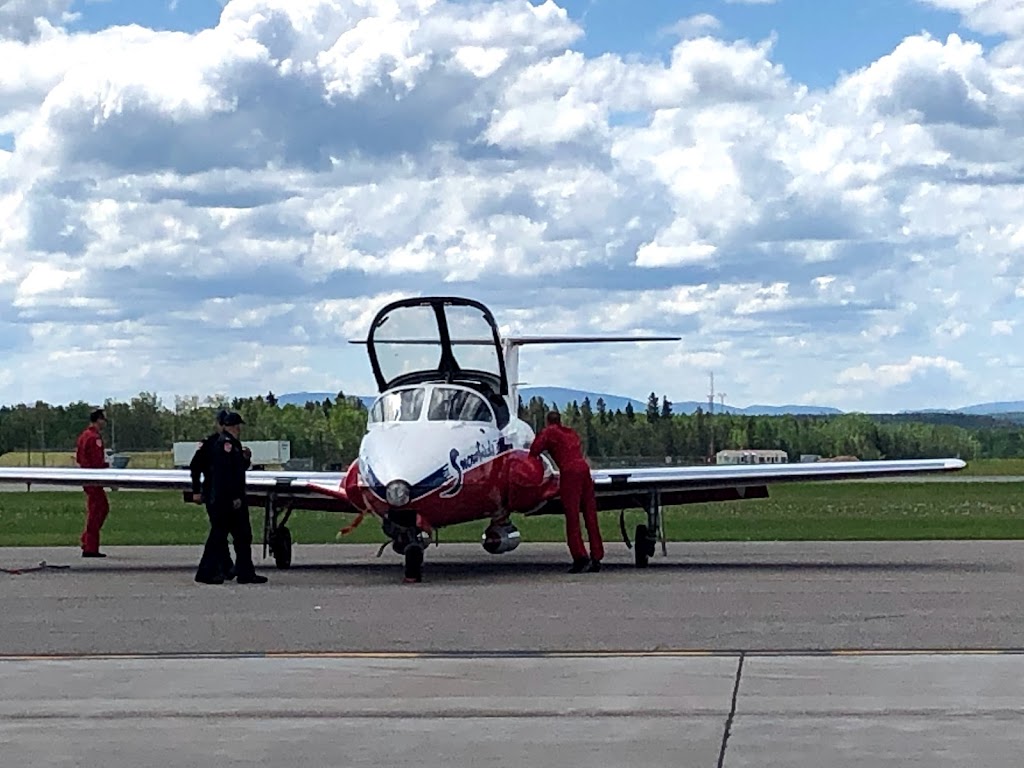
column 281, row 543
column 413, row 564
column 641, row 546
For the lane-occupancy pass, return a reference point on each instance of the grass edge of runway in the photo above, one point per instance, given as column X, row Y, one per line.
column 860, row 511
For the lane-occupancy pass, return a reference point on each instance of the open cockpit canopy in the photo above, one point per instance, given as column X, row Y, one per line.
column 437, row 339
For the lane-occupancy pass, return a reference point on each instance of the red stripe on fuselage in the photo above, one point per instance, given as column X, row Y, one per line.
column 481, row 496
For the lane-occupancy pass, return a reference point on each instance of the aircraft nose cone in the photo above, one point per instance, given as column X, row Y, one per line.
column 398, row 467
column 382, row 459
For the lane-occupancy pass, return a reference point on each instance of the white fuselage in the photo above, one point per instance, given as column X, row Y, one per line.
column 439, row 447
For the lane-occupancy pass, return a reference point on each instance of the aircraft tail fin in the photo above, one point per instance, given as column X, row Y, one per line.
column 513, row 343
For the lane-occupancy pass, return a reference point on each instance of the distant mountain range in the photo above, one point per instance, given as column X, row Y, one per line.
column 563, row 395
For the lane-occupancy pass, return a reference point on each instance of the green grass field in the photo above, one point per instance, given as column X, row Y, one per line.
column 808, row 512
column 979, row 467
column 139, row 459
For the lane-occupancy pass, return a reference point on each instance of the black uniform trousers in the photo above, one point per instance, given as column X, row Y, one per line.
column 224, row 520
column 227, row 566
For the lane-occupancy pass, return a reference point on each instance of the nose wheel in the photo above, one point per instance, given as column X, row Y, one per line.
column 408, row 539
column 414, row 563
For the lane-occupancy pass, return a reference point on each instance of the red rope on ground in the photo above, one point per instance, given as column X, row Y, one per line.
column 42, row 566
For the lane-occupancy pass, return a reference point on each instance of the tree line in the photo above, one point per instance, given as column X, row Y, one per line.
column 329, row 431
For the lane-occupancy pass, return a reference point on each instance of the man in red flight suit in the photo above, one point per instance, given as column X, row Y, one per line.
column 576, row 489
column 91, row 454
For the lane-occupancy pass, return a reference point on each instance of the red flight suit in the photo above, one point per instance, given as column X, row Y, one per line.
column 90, row 454
column 575, row 486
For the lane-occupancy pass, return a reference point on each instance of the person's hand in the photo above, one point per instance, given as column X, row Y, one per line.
column 247, row 452
column 237, row 503
column 197, row 498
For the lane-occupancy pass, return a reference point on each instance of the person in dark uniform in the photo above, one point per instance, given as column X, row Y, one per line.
column 230, row 510
column 200, row 467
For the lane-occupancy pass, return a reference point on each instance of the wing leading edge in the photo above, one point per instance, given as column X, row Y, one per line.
column 323, row 487
column 730, row 474
column 687, row 485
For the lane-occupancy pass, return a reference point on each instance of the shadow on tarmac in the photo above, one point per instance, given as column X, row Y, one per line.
column 449, row 570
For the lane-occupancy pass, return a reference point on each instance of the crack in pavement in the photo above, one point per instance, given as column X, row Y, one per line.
column 732, row 712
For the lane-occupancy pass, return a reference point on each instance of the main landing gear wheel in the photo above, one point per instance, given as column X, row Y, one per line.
column 646, row 537
column 276, row 536
column 281, row 546
column 413, row 564
column 643, row 545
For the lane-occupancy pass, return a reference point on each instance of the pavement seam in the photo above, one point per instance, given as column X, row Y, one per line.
column 506, row 654
column 732, row 712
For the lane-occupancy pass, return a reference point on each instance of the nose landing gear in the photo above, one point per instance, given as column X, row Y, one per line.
column 414, row 563
column 409, row 539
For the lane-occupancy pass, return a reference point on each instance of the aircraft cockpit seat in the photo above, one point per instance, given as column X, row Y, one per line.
column 500, row 407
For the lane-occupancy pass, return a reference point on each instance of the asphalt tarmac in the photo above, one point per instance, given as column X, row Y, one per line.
column 725, row 654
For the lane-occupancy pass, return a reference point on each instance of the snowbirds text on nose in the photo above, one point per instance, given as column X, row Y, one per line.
column 444, row 446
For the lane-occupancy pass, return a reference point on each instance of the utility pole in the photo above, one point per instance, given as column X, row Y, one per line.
column 711, row 419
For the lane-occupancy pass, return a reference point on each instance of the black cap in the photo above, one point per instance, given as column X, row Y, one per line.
column 221, row 415
column 97, row 415
column 233, row 419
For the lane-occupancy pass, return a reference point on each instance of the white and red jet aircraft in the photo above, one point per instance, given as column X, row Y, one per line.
column 444, row 446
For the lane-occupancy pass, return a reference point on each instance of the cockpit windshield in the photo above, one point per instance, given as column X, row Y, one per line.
column 472, row 341
column 407, row 341
column 400, row 405
column 449, row 404
column 436, row 339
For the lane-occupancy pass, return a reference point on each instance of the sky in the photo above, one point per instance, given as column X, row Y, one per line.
column 822, row 198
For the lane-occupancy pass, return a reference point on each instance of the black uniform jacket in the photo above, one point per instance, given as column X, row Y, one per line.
column 200, row 465
column 227, row 471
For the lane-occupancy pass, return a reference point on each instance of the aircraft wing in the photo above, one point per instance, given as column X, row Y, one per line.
column 309, row 490
column 729, row 482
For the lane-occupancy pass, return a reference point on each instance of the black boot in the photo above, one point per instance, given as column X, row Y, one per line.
column 579, row 564
column 252, row 578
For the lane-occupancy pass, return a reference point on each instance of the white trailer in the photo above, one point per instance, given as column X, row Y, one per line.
column 264, row 452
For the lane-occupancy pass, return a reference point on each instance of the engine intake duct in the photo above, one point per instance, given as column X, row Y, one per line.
column 498, row 539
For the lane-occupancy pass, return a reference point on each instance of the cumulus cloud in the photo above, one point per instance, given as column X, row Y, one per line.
column 989, row 16
column 899, row 373
column 26, row 20
column 255, row 191
column 693, row 26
